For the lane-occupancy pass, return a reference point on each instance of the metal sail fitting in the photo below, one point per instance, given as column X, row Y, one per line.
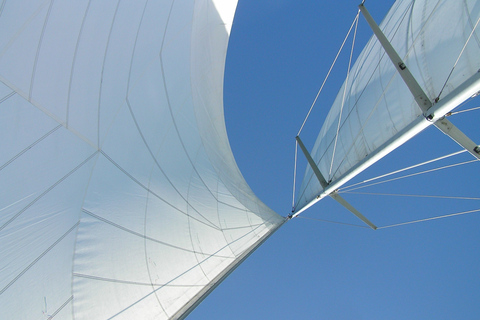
column 420, row 97
column 334, row 195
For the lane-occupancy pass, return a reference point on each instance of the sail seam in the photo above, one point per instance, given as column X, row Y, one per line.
column 137, row 283
column 46, row 191
column 177, row 277
column 22, row 28
column 60, row 308
column 151, row 191
column 113, row 224
column 7, row 96
column 175, row 122
column 165, row 175
column 147, row 265
column 190, row 233
column 38, row 258
column 103, row 69
column 2, row 6
column 46, row 112
column 158, row 165
column 39, row 46
column 465, row 5
column 74, row 60
column 186, row 309
column 30, row 147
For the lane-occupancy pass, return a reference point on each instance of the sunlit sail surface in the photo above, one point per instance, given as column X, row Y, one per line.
column 120, row 197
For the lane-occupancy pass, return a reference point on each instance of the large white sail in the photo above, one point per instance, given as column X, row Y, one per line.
column 374, row 106
column 120, row 197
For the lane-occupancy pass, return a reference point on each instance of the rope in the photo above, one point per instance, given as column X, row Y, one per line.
column 428, row 219
column 344, row 93
column 404, row 169
column 458, row 59
column 328, row 74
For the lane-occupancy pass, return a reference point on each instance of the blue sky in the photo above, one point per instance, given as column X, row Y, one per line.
column 278, row 55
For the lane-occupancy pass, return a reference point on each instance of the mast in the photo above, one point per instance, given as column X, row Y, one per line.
column 397, row 97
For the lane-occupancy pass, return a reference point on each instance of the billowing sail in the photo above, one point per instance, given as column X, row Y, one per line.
column 119, row 195
column 374, row 109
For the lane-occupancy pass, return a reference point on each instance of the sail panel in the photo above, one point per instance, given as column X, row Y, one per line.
column 120, row 194
column 378, row 104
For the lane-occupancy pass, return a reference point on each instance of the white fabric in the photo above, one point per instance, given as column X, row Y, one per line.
column 429, row 36
column 120, row 196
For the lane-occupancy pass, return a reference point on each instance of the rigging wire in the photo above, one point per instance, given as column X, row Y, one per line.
column 411, row 175
column 344, row 93
column 411, row 167
column 328, row 74
column 461, row 111
column 294, row 176
column 412, row 195
column 336, row 222
column 429, row 219
column 396, row 224
column 354, row 23
column 458, row 59
column 404, row 15
column 404, row 169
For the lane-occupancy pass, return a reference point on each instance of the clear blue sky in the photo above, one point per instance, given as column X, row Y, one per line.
column 278, row 56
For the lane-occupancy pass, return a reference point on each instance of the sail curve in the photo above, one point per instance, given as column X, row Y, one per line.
column 120, row 194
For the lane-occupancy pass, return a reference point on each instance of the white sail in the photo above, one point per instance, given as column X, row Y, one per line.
column 374, row 106
column 120, row 197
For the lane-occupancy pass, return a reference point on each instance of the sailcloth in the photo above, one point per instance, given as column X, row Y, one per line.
column 119, row 195
column 374, row 106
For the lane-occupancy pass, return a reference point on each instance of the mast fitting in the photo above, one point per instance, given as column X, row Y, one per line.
column 430, row 117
